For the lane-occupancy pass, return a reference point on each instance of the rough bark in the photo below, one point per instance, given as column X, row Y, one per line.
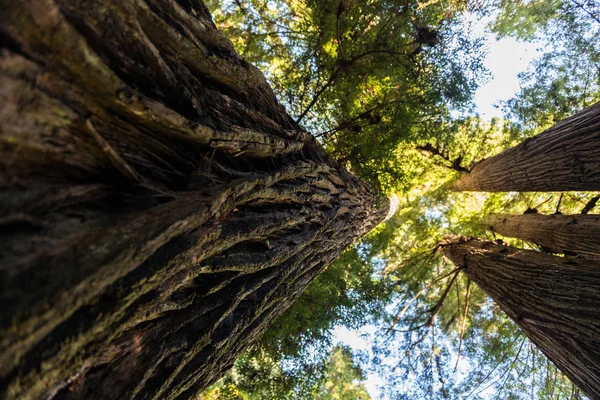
column 554, row 300
column 158, row 207
column 562, row 158
column 573, row 235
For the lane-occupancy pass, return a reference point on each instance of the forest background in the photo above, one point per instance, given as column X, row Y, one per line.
column 388, row 87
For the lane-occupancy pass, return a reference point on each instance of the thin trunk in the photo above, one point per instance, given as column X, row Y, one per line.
column 564, row 157
column 158, row 207
column 554, row 300
column 574, row 235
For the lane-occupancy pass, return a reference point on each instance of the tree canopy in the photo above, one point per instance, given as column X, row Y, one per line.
column 164, row 202
column 387, row 86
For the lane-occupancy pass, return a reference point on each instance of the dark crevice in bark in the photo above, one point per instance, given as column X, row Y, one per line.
column 554, row 300
column 159, row 207
column 571, row 235
column 562, row 158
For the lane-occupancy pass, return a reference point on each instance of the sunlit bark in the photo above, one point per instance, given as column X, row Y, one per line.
column 575, row 235
column 564, row 157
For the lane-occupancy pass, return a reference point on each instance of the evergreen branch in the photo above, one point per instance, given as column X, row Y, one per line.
column 434, row 151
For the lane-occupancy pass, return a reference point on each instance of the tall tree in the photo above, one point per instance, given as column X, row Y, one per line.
column 362, row 76
column 159, row 208
column 564, row 157
column 574, row 235
column 554, row 300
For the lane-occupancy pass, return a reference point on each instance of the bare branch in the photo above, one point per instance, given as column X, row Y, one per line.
column 464, row 322
column 590, row 205
column 399, row 316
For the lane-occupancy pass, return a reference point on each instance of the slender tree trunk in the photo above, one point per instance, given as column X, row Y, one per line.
column 554, row 300
column 574, row 235
column 564, row 157
column 158, row 207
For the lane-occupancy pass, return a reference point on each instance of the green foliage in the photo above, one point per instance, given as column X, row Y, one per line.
column 363, row 76
column 256, row 376
column 347, row 292
column 430, row 343
column 525, row 19
column 380, row 83
column 566, row 77
column 342, row 378
column 291, row 358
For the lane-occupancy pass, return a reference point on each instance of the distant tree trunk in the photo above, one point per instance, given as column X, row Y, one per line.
column 575, row 235
column 554, row 300
column 158, row 207
column 564, row 157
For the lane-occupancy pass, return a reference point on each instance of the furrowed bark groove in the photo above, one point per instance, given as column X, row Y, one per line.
column 554, row 300
column 158, row 207
column 562, row 158
column 572, row 235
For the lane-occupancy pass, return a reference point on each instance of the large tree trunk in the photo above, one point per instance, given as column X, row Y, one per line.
column 574, row 235
column 564, row 157
column 554, row 300
column 158, row 207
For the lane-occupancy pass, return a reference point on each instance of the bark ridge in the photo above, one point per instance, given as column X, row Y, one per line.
column 563, row 158
column 554, row 300
column 158, row 207
column 571, row 235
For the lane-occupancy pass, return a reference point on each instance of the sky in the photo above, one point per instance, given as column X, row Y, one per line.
column 505, row 59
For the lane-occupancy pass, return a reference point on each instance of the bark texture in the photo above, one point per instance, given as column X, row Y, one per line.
column 562, row 158
column 158, row 207
column 554, row 300
column 573, row 235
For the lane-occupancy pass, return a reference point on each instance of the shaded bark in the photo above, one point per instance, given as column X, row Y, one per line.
column 554, row 300
column 562, row 158
column 573, row 235
column 158, row 207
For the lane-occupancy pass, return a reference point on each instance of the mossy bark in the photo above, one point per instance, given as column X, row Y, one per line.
column 554, row 300
column 158, row 207
column 562, row 158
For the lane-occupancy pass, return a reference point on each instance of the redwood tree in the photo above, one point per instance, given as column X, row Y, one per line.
column 159, row 208
column 564, row 157
column 575, row 235
column 554, row 300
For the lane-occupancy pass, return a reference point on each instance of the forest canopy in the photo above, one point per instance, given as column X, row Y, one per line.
column 387, row 87
column 278, row 199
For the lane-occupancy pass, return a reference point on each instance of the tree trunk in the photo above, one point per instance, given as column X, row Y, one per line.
column 564, row 157
column 573, row 235
column 158, row 207
column 554, row 300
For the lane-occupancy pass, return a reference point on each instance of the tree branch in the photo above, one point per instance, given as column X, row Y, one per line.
column 590, row 205
column 588, row 12
column 326, row 86
column 434, row 151
column 399, row 316
column 464, row 322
